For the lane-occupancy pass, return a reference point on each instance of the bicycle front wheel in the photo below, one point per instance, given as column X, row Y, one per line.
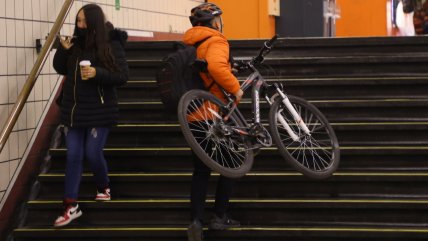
column 215, row 141
column 315, row 155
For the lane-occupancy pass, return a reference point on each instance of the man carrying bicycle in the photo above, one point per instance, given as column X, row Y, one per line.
column 214, row 49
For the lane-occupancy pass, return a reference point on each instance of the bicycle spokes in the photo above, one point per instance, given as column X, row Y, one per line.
column 214, row 135
column 314, row 152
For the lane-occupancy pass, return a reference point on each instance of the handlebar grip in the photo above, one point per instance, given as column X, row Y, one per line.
column 265, row 50
column 272, row 40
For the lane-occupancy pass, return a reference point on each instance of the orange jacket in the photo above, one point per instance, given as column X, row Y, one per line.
column 215, row 50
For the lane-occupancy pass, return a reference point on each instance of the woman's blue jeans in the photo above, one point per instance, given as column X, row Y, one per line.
column 85, row 144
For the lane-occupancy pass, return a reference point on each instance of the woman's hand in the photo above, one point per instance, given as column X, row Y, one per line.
column 66, row 42
column 88, row 73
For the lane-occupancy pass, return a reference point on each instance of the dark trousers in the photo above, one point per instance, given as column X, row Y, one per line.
column 88, row 144
column 200, row 178
column 201, row 175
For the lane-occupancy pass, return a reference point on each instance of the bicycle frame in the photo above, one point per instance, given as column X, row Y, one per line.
column 257, row 82
column 309, row 145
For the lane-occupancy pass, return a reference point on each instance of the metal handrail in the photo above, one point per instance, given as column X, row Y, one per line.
column 35, row 71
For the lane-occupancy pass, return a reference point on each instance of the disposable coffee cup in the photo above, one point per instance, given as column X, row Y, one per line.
column 84, row 64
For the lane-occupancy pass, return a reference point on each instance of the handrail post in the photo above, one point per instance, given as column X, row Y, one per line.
column 35, row 71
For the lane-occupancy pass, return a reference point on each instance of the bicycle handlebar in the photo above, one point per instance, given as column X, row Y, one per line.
column 267, row 46
column 272, row 40
column 264, row 50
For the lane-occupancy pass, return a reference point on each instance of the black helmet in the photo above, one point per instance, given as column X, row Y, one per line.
column 204, row 13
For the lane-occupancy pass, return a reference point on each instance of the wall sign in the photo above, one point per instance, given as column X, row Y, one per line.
column 274, row 6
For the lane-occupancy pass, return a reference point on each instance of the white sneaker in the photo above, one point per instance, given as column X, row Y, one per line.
column 70, row 213
column 103, row 196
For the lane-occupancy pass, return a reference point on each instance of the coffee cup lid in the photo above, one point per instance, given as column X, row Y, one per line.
column 85, row 62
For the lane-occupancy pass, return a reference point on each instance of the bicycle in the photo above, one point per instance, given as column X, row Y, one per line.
column 222, row 138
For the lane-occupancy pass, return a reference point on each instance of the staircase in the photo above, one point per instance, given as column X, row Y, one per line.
column 374, row 91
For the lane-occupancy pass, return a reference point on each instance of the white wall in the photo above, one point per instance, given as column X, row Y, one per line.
column 148, row 15
column 24, row 21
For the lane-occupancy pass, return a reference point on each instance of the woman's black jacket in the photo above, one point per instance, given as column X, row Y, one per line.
column 93, row 102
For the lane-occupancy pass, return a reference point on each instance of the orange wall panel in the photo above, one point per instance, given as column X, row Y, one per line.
column 362, row 18
column 246, row 19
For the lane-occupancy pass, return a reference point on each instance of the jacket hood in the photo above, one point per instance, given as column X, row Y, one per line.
column 199, row 33
column 119, row 35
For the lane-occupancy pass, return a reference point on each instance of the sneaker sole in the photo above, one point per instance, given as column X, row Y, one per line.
column 102, row 199
column 57, row 225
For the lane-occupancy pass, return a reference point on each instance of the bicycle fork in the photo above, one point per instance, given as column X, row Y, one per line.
column 297, row 118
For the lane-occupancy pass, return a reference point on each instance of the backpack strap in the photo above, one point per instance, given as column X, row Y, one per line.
column 196, row 45
column 212, row 83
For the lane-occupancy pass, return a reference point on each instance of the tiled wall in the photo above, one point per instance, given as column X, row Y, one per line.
column 24, row 21
column 142, row 15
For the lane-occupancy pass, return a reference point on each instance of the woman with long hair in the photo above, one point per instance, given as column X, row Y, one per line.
column 89, row 100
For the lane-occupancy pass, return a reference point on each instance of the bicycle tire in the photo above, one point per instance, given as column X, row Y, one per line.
column 220, row 152
column 317, row 155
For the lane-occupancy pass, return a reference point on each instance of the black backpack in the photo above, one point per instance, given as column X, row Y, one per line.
column 179, row 73
column 408, row 6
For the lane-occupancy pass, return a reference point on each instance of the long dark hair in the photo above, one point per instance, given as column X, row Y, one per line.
column 97, row 37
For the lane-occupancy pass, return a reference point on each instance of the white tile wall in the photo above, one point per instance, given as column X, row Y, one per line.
column 3, row 96
column 22, row 139
column 52, row 13
column 2, row 32
column 38, row 89
column 12, row 167
column 13, row 144
column 28, row 34
column 24, row 21
column 4, row 155
column 20, row 61
column 19, row 9
column 32, row 96
column 36, row 32
column 2, row 9
column 28, row 12
column 4, row 175
column 30, row 53
column 10, row 9
column 10, row 32
column 35, row 5
column 38, row 110
column 13, row 88
column 31, row 115
column 47, row 90
column 44, row 5
column 19, row 33
column 3, row 61
column 11, row 61
column 4, row 113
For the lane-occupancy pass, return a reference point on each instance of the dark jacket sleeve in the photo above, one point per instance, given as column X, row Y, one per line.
column 60, row 60
column 117, row 78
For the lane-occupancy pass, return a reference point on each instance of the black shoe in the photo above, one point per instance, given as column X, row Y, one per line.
column 225, row 222
column 194, row 232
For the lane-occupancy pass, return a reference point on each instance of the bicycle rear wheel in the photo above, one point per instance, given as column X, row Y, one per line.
column 316, row 155
column 215, row 141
